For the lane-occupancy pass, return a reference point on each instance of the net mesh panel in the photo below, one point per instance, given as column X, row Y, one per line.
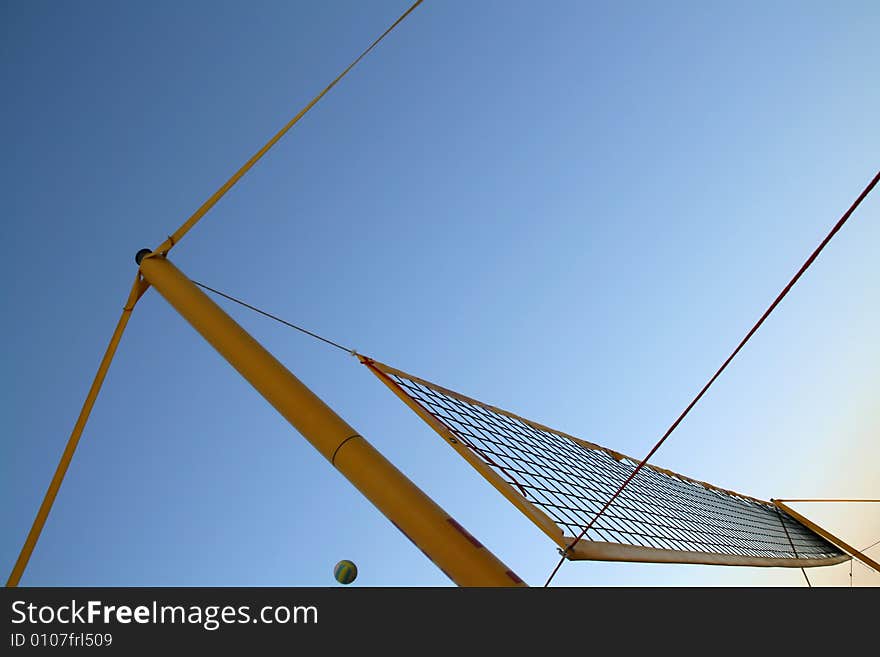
column 570, row 482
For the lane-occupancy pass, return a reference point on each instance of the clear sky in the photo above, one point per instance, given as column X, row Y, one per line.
column 573, row 210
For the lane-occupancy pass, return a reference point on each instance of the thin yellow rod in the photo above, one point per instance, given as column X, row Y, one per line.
column 33, row 536
column 458, row 554
column 828, row 536
column 167, row 245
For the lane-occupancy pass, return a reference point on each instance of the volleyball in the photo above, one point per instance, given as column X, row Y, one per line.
column 345, row 571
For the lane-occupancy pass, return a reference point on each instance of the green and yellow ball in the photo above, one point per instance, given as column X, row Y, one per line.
column 345, row 571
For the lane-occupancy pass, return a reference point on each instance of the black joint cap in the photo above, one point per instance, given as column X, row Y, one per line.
column 143, row 253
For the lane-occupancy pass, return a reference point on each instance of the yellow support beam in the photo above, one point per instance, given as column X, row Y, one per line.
column 458, row 554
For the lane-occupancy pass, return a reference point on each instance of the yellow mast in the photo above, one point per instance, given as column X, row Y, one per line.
column 452, row 549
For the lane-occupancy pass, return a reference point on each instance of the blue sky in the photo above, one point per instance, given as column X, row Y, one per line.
column 572, row 211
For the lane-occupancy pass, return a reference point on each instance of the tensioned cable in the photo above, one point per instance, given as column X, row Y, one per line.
column 702, row 392
column 791, row 542
column 276, row 318
column 869, row 547
column 864, row 549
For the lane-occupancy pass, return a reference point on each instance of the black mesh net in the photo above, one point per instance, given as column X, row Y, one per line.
column 570, row 480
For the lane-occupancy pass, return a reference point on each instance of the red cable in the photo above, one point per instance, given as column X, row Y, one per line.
column 687, row 410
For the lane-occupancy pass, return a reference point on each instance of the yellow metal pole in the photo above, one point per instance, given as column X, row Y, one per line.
column 458, row 554
column 828, row 536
